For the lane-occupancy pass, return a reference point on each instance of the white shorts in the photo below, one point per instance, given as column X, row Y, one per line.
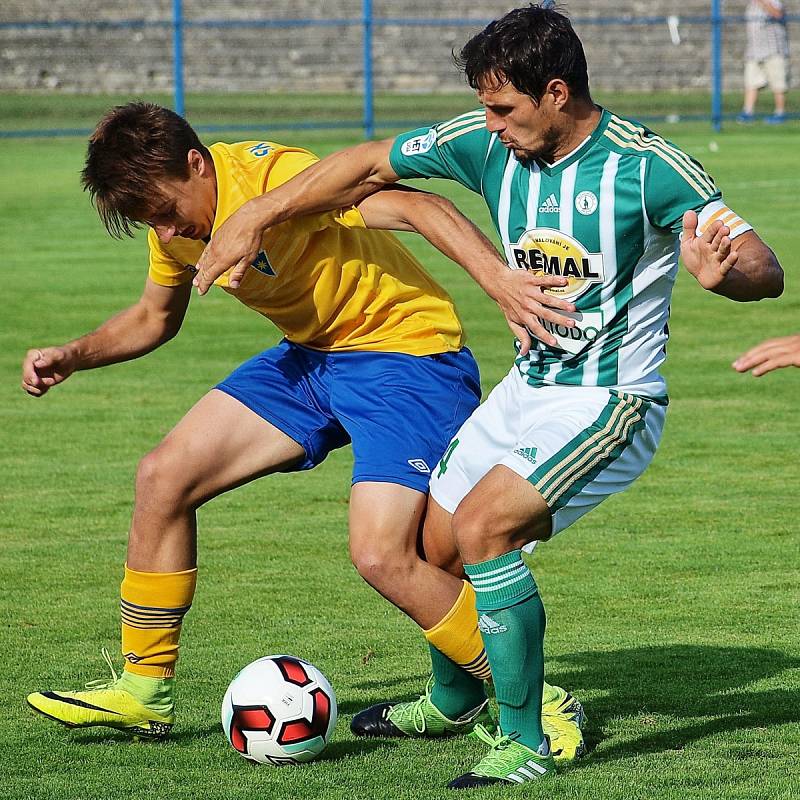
column 577, row 445
column 773, row 71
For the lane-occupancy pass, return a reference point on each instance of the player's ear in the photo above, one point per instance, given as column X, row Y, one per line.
column 558, row 92
column 197, row 164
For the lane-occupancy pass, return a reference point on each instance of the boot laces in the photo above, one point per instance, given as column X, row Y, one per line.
column 104, row 683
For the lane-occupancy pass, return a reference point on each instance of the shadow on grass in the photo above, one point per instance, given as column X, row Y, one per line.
column 704, row 687
column 337, row 750
column 106, row 736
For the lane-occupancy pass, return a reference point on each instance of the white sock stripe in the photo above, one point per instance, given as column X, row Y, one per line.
column 515, row 575
column 498, row 570
column 503, row 585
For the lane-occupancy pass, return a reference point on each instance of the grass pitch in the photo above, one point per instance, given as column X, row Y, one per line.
column 672, row 609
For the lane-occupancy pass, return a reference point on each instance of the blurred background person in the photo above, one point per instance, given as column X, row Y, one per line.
column 766, row 58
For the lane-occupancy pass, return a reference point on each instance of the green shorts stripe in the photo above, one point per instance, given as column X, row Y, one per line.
column 561, row 477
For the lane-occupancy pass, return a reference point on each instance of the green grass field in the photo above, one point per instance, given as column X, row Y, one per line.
column 673, row 610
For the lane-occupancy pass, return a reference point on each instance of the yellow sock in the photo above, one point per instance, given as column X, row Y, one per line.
column 457, row 635
column 153, row 605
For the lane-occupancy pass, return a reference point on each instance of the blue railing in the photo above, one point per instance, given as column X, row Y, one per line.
column 367, row 22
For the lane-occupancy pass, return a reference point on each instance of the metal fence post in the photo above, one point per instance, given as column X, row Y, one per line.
column 369, row 109
column 716, row 64
column 177, row 57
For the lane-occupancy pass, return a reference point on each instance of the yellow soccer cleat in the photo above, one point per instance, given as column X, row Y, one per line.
column 106, row 703
column 562, row 720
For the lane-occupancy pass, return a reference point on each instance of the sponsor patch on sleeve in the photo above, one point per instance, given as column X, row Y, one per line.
column 719, row 211
column 419, row 144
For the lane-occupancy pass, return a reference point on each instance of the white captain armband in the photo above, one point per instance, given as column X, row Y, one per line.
column 719, row 211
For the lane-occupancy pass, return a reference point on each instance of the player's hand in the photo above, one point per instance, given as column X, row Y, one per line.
column 709, row 257
column 523, row 300
column 234, row 247
column 769, row 355
column 46, row 367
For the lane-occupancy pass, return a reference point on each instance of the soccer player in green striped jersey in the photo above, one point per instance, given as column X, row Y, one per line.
column 606, row 206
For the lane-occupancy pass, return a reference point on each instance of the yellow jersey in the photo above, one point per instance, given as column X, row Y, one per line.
column 325, row 280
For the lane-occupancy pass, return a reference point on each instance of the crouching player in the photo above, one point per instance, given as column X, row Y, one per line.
column 370, row 338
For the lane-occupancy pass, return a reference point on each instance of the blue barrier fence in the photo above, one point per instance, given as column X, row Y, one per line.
column 368, row 22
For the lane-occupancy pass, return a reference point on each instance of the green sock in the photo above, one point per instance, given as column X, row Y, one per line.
column 455, row 691
column 158, row 694
column 512, row 622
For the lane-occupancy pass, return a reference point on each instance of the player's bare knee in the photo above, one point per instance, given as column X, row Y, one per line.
column 481, row 533
column 381, row 566
column 161, row 483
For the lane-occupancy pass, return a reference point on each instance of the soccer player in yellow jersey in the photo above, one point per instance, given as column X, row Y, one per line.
column 370, row 339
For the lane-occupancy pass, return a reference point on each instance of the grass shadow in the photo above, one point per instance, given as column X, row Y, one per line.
column 705, row 687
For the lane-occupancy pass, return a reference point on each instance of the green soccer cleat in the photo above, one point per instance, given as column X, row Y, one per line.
column 106, row 703
column 562, row 720
column 418, row 718
column 507, row 761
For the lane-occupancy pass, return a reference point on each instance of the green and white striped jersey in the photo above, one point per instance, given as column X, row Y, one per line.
column 607, row 216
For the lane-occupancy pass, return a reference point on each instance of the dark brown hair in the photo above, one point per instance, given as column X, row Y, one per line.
column 527, row 48
column 132, row 148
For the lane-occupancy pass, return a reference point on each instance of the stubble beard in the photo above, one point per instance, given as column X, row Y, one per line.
column 545, row 151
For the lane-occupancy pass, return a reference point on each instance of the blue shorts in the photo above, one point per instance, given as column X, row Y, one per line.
column 399, row 411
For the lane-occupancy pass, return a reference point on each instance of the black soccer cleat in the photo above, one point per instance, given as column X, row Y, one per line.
column 374, row 721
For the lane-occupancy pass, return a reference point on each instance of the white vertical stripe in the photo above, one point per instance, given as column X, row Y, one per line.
column 565, row 223
column 568, row 198
column 534, row 184
column 641, row 351
column 608, row 247
column 504, row 204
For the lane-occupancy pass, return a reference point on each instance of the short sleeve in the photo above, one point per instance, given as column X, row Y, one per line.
column 165, row 269
column 456, row 150
column 674, row 184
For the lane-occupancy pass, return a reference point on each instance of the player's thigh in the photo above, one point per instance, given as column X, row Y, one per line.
column 289, row 387
column 583, row 445
column 219, row 444
column 401, row 411
column 385, row 522
column 501, row 513
column 438, row 543
column 481, row 442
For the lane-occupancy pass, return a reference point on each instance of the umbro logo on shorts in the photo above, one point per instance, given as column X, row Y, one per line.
column 419, row 465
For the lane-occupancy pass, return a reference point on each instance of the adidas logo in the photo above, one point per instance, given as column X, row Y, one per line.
column 528, row 453
column 550, row 205
column 487, row 625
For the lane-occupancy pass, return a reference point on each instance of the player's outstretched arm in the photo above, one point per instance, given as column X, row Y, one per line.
column 340, row 180
column 743, row 269
column 520, row 295
column 137, row 330
column 769, row 355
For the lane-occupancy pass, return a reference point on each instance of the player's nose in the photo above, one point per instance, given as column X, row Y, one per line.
column 164, row 232
column 494, row 123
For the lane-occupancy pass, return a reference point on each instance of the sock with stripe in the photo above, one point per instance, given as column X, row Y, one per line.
column 153, row 605
column 458, row 659
column 512, row 623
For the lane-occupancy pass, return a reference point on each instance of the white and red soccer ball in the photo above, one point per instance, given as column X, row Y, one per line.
column 279, row 710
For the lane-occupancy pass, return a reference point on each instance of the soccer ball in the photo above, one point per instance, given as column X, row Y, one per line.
column 279, row 710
